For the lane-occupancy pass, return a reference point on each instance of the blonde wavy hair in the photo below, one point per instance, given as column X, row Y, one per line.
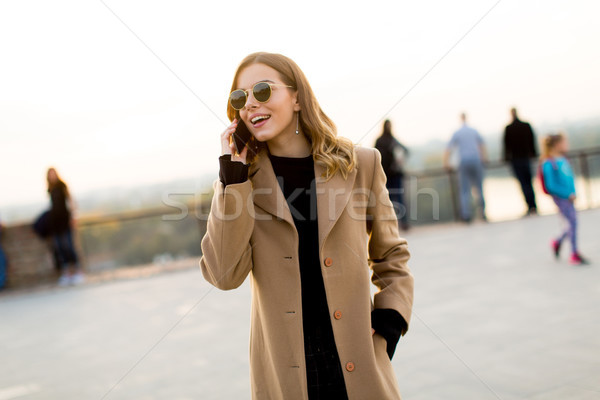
column 336, row 153
column 550, row 141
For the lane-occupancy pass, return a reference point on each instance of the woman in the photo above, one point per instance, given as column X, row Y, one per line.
column 393, row 154
column 305, row 213
column 60, row 223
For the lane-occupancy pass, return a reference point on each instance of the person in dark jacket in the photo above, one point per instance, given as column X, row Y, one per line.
column 60, row 222
column 519, row 150
column 393, row 154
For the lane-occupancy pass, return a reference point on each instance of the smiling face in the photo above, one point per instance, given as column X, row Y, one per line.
column 275, row 118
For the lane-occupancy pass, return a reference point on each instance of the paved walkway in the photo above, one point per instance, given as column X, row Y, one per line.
column 496, row 317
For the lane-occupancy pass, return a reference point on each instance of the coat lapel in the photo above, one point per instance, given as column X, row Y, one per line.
column 266, row 190
column 332, row 196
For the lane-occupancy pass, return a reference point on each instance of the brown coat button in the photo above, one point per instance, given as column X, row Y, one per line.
column 328, row 262
column 337, row 314
column 349, row 366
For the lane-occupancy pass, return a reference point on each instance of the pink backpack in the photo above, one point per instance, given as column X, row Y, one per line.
column 540, row 174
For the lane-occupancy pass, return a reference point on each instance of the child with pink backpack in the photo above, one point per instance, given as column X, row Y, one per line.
column 558, row 181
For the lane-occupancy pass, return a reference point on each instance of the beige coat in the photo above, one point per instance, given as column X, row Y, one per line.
column 250, row 230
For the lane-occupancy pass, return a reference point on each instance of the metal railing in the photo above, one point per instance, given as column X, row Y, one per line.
column 124, row 231
column 580, row 159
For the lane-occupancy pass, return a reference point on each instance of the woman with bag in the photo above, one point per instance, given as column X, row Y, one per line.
column 306, row 214
column 60, row 223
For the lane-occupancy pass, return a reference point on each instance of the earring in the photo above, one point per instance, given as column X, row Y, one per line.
column 297, row 122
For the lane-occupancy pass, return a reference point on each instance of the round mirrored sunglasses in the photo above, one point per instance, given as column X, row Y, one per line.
column 261, row 92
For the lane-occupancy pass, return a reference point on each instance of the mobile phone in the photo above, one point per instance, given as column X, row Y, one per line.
column 242, row 134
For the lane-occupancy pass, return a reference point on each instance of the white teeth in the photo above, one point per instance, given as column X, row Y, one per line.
column 258, row 118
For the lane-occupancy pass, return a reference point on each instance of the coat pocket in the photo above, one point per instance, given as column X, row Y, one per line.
column 379, row 345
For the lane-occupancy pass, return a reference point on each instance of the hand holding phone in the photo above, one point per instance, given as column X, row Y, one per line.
column 228, row 145
column 241, row 135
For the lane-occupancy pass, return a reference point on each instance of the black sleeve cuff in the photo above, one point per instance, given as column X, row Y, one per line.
column 389, row 324
column 232, row 171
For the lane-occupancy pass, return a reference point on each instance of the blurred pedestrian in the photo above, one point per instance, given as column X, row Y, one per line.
column 393, row 156
column 519, row 148
column 472, row 155
column 2, row 261
column 61, row 224
column 559, row 182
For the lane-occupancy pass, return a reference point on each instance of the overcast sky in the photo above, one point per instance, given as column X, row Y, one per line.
column 128, row 93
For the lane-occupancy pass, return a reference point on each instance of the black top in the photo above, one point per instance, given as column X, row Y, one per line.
column 324, row 375
column 297, row 180
column 60, row 216
column 386, row 145
column 519, row 141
